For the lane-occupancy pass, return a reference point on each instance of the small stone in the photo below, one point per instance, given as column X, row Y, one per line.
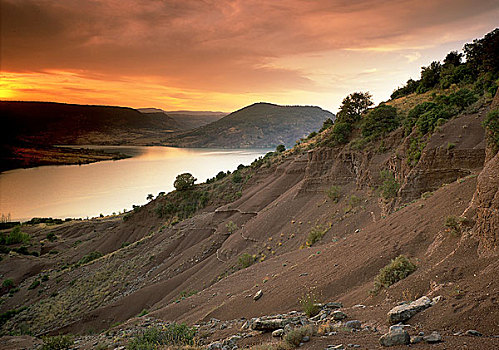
column 436, row 299
column 416, row 339
column 434, row 337
column 305, row 339
column 336, row 347
column 359, row 306
column 333, row 305
column 354, row 324
column 278, row 333
column 258, row 295
column 338, row 315
column 474, row 333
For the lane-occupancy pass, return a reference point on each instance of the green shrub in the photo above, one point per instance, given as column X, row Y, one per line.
column 334, row 192
column 315, row 235
column 7, row 315
column 451, row 145
column 491, row 123
column 58, row 342
column 310, row 304
column 353, row 201
column 51, row 237
column 379, row 121
column 416, row 146
column 462, row 98
column 8, row 283
column 246, row 260
column 143, row 312
column 389, row 186
column 15, row 236
column 236, row 177
column 152, row 338
column 294, row 337
column 88, row 258
column 340, row 133
column 231, row 227
column 281, row 148
column 33, row 285
column 398, row 269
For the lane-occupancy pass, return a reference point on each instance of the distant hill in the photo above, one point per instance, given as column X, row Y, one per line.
column 187, row 120
column 48, row 123
column 260, row 125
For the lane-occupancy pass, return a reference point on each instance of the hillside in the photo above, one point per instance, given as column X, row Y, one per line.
column 391, row 214
column 260, row 125
column 187, row 120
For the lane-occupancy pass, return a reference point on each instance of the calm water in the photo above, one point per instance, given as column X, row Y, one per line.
column 110, row 186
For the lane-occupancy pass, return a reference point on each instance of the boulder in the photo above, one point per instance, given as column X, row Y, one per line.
column 434, row 337
column 269, row 325
column 404, row 312
column 396, row 336
column 354, row 324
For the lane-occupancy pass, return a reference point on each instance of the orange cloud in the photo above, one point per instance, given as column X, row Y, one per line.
column 190, row 52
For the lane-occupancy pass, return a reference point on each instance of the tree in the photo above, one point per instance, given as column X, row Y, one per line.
column 430, row 76
column 149, row 197
column 453, row 58
column 280, row 148
column 184, row 181
column 353, row 106
column 380, row 120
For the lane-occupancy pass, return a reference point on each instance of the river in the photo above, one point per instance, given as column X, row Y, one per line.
column 81, row 191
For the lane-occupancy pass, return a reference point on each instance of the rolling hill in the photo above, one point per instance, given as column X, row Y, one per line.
column 260, row 125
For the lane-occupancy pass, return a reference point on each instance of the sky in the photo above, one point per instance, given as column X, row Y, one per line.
column 222, row 55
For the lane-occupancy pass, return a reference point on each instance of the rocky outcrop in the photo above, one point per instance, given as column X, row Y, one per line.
column 404, row 312
column 486, row 203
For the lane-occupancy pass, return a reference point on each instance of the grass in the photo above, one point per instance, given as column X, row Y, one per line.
column 246, row 260
column 309, row 304
column 334, row 193
column 173, row 334
column 315, row 235
column 58, row 342
column 398, row 269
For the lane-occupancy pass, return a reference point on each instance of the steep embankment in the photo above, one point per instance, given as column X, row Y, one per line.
column 283, row 200
column 261, row 125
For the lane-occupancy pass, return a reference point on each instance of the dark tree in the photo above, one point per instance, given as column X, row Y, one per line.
column 184, row 182
column 353, row 106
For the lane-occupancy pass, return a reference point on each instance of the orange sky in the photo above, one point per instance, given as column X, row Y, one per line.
column 225, row 54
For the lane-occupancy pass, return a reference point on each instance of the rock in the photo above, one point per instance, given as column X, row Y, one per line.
column 434, row 337
column 416, row 339
column 305, row 339
column 436, row 300
column 258, row 295
column 404, row 312
column 278, row 333
column 267, row 325
column 354, row 324
column 245, row 325
column 396, row 336
column 359, row 306
column 336, row 347
column 287, row 328
column 333, row 305
column 338, row 315
column 473, row 333
column 214, row 346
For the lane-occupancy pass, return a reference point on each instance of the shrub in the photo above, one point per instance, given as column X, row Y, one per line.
column 380, row 120
column 462, row 98
column 491, row 123
column 231, row 227
column 184, row 181
column 389, row 186
column 327, row 124
column 143, row 312
column 341, row 133
column 294, row 337
column 8, row 283
column 280, row 148
column 454, row 223
column 246, row 260
column 88, row 258
column 310, row 304
column 33, row 285
column 398, row 269
column 334, row 193
column 173, row 334
column 58, row 342
column 236, row 177
column 416, row 146
column 353, row 201
column 51, row 237
column 16, row 236
column 315, row 235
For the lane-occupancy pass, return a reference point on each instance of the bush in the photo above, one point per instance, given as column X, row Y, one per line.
column 184, row 181
column 231, row 227
column 390, row 186
column 173, row 334
column 236, row 177
column 88, row 258
column 334, row 192
column 246, row 260
column 294, row 337
column 280, row 148
column 379, row 121
column 462, row 98
column 8, row 283
column 33, row 285
column 51, row 237
column 491, row 123
column 315, row 235
column 341, row 133
column 310, row 304
column 398, row 269
column 59, row 342
column 15, row 236
column 416, row 146
column 326, row 125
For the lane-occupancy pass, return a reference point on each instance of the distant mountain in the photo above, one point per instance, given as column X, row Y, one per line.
column 260, row 125
column 187, row 120
column 48, row 123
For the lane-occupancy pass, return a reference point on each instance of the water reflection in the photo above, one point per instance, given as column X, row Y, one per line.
column 111, row 186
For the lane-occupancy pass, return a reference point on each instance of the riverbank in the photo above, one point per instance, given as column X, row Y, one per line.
column 34, row 156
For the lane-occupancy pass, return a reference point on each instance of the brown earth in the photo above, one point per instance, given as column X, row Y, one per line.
column 279, row 206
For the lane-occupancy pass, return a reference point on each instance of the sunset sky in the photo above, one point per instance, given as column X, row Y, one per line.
column 225, row 54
